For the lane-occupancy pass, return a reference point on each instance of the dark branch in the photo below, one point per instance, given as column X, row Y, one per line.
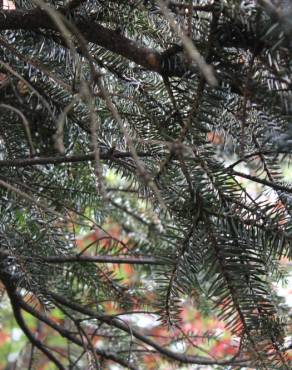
column 133, row 260
column 66, row 334
column 270, row 184
column 14, row 300
column 153, row 60
column 108, row 155
column 180, row 357
column 37, row 19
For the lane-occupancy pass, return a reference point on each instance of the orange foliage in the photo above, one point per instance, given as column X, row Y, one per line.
column 33, row 301
column 111, row 308
column 223, row 348
column 100, row 237
column 150, row 362
column 215, row 138
column 4, row 337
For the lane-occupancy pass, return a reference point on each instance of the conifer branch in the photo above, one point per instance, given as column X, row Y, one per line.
column 77, row 158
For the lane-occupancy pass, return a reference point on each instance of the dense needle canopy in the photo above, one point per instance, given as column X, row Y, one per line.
column 172, row 120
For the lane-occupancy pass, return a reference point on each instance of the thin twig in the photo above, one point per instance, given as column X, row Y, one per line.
column 189, row 46
column 25, row 125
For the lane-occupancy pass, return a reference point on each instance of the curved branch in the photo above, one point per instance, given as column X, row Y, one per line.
column 180, row 357
column 36, row 19
column 15, row 304
column 66, row 334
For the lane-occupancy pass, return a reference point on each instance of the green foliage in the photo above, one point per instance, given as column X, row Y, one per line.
column 163, row 147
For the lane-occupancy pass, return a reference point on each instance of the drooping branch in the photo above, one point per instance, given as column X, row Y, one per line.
column 38, row 19
column 180, row 357
column 7, row 280
column 67, row 334
column 153, row 60
column 258, row 180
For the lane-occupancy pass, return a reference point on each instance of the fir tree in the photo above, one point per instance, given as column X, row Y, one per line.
column 175, row 98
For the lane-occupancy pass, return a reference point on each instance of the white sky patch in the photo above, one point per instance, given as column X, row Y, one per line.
column 16, row 334
column 286, row 291
column 143, row 321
